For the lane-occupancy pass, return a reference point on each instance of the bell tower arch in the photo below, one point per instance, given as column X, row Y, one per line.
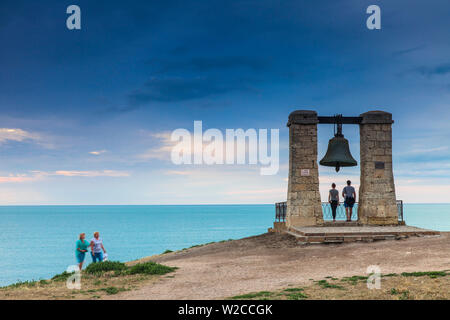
column 377, row 200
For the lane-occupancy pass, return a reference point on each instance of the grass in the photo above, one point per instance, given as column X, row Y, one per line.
column 98, row 279
column 150, row 268
column 431, row 274
column 425, row 285
column 326, row 285
column 355, row 279
column 204, row 244
column 293, row 289
column 61, row 277
column 105, row 266
column 253, row 295
column 111, row 290
column 296, row 296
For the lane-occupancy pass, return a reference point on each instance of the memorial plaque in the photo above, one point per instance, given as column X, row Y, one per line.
column 379, row 165
column 305, row 173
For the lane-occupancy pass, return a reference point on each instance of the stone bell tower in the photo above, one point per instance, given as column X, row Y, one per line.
column 377, row 201
column 303, row 202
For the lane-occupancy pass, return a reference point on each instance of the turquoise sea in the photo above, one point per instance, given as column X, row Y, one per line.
column 36, row 242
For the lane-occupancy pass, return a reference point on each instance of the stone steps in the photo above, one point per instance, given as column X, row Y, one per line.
column 343, row 239
column 340, row 224
column 356, row 234
column 337, row 233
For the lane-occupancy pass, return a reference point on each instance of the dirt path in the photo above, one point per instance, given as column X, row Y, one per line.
column 273, row 261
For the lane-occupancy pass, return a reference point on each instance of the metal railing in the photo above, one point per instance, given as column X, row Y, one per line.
column 281, row 209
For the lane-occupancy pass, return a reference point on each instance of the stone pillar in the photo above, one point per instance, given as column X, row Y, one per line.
column 377, row 201
column 303, row 200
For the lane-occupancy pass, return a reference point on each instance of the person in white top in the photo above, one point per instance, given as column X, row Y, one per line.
column 97, row 248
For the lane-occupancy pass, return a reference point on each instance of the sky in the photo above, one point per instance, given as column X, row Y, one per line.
column 86, row 115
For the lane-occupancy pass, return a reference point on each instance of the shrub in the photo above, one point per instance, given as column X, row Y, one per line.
column 105, row 266
column 111, row 290
column 167, row 251
column 150, row 268
column 62, row 276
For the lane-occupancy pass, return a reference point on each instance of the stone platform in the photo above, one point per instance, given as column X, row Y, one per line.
column 352, row 232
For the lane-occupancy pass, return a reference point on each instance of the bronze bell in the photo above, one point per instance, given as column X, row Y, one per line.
column 338, row 154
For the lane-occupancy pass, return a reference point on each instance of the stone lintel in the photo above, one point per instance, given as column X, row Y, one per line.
column 303, row 117
column 376, row 117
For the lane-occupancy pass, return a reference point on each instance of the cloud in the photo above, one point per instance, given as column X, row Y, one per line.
column 198, row 78
column 429, row 150
column 39, row 175
column 163, row 150
column 257, row 191
column 97, row 153
column 176, row 89
column 102, row 173
column 439, row 70
column 409, row 50
column 179, row 173
column 19, row 135
column 18, row 178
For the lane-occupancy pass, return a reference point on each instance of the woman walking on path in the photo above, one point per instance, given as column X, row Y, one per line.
column 81, row 248
column 333, row 199
column 97, row 248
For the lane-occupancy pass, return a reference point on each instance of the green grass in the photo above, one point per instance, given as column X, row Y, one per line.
column 19, row 284
column 111, row 290
column 105, row 266
column 296, row 296
column 150, row 268
column 354, row 279
column 253, row 295
column 62, row 276
column 390, row 275
column 431, row 274
column 326, row 285
column 405, row 295
column 293, row 289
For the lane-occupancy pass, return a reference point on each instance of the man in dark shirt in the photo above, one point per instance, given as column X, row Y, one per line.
column 349, row 195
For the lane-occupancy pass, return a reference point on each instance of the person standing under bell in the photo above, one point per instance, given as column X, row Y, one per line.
column 349, row 195
column 333, row 199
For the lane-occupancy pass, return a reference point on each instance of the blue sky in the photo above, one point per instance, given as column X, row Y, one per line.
column 86, row 114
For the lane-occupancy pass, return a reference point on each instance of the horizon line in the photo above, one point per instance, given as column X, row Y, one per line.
column 189, row 204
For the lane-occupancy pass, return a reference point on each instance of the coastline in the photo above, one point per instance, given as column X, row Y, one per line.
column 272, row 263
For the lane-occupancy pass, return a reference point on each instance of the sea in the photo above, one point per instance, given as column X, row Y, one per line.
column 37, row 242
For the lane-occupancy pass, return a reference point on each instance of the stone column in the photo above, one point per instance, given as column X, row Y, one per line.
column 377, row 201
column 303, row 200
